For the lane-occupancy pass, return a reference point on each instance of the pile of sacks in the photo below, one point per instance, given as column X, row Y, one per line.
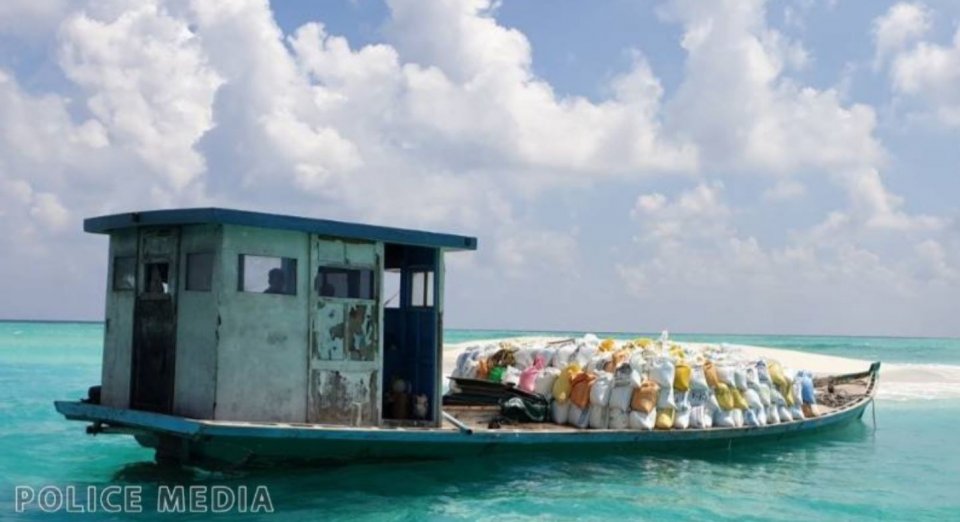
column 646, row 384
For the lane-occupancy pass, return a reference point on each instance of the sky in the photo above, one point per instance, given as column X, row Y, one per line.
column 728, row 166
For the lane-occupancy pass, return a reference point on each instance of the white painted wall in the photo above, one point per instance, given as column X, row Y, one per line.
column 197, row 311
column 262, row 350
column 118, row 330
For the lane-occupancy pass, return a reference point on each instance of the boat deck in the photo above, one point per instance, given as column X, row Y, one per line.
column 479, row 418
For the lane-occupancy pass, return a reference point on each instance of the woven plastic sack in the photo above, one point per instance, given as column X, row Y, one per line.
column 725, row 374
column 524, row 357
column 723, row 419
column 784, row 413
column 807, row 392
column 637, row 362
column 618, row 419
column 638, row 420
column 701, row 410
column 665, row 399
column 738, row 401
column 623, row 376
column 698, row 379
column 598, row 417
column 607, row 345
column 584, row 354
column 620, row 397
column 724, row 397
column 665, row 418
column 662, row 371
column 763, row 372
column 580, row 389
column 578, row 417
column 600, row 391
column 737, row 417
column 496, row 374
column 740, row 377
column 543, row 386
column 681, row 419
column 560, row 411
column 528, row 376
column 750, row 418
column 561, row 356
column 682, row 377
column 753, row 379
column 511, row 376
column 644, row 398
column 616, row 360
column 563, row 386
column 753, row 399
column 710, row 373
column 773, row 415
column 764, row 392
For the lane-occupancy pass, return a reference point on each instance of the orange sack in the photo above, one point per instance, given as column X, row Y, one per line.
column 644, row 398
column 580, row 395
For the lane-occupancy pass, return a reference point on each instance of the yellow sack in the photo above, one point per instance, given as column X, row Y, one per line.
column 681, row 377
column 724, row 397
column 619, row 357
column 644, row 398
column 738, row 401
column 777, row 376
column 665, row 418
column 564, row 383
column 787, row 392
column 608, row 345
column 580, row 389
column 710, row 371
column 643, row 342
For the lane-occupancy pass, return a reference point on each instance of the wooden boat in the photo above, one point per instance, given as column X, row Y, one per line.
column 465, row 432
column 209, row 373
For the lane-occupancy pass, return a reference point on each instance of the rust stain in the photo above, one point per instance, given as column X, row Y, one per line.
column 335, row 397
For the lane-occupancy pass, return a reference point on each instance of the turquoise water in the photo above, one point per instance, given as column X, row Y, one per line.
column 906, row 469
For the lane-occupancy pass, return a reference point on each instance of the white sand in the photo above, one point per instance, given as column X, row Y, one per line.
column 816, row 363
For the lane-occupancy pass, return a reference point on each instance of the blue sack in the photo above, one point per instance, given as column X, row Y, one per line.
column 809, row 396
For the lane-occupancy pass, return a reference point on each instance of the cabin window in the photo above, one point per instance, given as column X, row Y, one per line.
column 156, row 278
column 345, row 283
column 267, row 275
column 421, row 288
column 124, row 273
column 200, row 272
column 391, row 288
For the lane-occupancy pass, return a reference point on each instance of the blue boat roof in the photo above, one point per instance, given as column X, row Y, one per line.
column 223, row 216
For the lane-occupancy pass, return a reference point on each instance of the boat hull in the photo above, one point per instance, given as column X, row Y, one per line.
column 216, row 444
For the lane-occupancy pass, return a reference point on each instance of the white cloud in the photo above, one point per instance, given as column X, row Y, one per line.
column 446, row 125
column 901, row 25
column 148, row 84
column 742, row 108
column 924, row 73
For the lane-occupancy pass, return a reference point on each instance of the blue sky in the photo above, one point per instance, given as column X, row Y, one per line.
column 726, row 166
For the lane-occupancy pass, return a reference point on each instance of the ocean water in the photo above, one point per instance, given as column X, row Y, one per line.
column 904, row 467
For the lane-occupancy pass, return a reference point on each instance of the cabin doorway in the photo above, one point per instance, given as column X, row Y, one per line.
column 155, row 328
column 411, row 334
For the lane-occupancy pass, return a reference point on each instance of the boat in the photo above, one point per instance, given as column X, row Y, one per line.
column 239, row 339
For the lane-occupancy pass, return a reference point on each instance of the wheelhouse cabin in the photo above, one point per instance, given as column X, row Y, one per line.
column 240, row 316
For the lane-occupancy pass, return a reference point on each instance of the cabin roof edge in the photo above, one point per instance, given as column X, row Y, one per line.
column 196, row 216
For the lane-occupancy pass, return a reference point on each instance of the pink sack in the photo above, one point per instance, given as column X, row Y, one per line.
column 528, row 377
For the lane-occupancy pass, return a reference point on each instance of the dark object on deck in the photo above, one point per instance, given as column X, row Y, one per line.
column 475, row 392
column 93, row 395
column 525, row 409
